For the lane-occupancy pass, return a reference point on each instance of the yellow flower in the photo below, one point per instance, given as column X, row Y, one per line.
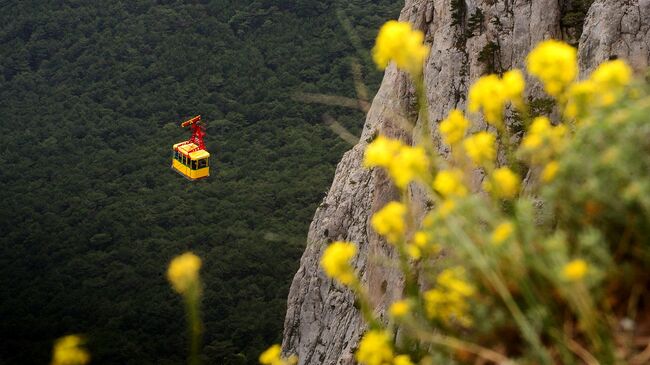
column 408, row 164
column 403, row 360
column 555, row 64
column 612, row 73
column 503, row 184
column 502, row 232
column 514, row 86
column 575, row 270
column 272, row 356
column 375, row 348
column 453, row 128
column 422, row 240
column 399, row 309
column 381, row 152
column 183, row 272
column 389, row 221
column 453, row 279
column 446, row 208
column 489, row 94
column 540, row 125
column 398, row 42
column 534, row 138
column 404, row 163
column 449, row 183
column 448, row 302
column 68, row 350
column 336, row 261
column 610, row 78
column 580, row 96
column 414, row 251
column 480, row 148
column 543, row 141
column 550, row 171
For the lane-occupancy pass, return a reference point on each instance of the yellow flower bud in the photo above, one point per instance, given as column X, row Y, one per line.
column 555, row 64
column 449, row 183
column 336, row 261
column 381, row 152
column 550, row 171
column 503, row 183
column 399, row 309
column 502, row 232
column 389, row 221
column 453, row 128
column 408, row 164
column 480, row 148
column 575, row 270
column 183, row 272
column 398, row 42
column 403, row 360
column 68, row 350
column 375, row 348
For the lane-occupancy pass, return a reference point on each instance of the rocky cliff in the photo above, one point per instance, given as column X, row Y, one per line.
column 468, row 39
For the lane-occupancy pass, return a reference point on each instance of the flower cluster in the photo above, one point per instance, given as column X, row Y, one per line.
column 449, row 183
column 519, row 257
column 502, row 233
column 183, row 272
column 543, row 144
column 480, row 148
column 491, row 93
column 404, row 163
column 454, row 127
column 503, row 183
column 603, row 88
column 398, row 42
column 575, row 270
column 421, row 244
column 390, row 221
column 273, row 356
column 555, row 63
column 69, row 350
column 336, row 261
column 375, row 349
column 449, row 301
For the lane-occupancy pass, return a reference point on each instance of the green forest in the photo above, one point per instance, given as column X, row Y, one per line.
column 91, row 97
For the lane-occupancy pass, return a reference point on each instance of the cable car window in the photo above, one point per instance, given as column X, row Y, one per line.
column 193, row 164
column 203, row 163
column 176, row 155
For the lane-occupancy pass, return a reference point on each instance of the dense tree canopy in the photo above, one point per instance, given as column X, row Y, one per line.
column 91, row 95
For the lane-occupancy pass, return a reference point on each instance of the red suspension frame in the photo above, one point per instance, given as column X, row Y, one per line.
column 198, row 132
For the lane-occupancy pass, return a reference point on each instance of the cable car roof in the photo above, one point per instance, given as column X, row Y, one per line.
column 185, row 147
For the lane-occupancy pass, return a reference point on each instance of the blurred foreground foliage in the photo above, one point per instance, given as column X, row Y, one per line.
column 535, row 245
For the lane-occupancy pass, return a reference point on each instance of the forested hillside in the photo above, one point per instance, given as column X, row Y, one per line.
column 91, row 95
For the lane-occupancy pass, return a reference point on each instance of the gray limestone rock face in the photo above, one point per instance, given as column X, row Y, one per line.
column 616, row 29
column 322, row 324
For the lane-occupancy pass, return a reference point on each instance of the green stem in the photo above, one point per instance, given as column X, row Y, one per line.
column 192, row 298
column 481, row 263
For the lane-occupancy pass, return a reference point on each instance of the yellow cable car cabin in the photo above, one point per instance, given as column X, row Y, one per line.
column 190, row 158
column 193, row 165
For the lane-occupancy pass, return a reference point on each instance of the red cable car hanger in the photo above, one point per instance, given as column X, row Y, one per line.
column 198, row 132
